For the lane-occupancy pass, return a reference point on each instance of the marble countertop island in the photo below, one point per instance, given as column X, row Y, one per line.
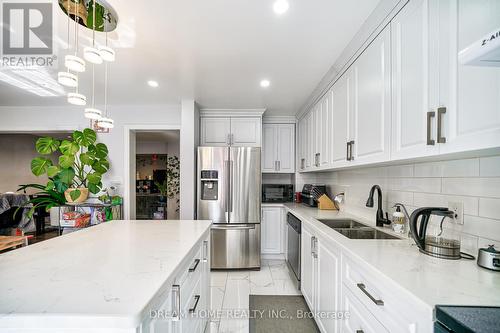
column 104, row 276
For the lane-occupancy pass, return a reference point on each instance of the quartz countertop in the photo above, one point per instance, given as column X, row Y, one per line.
column 429, row 280
column 103, row 276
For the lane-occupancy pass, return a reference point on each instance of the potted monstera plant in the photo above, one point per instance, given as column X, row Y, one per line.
column 81, row 162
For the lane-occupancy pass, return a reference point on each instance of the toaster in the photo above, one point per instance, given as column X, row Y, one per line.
column 489, row 258
column 307, row 196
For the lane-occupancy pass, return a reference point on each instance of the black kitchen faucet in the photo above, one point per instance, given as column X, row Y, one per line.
column 381, row 221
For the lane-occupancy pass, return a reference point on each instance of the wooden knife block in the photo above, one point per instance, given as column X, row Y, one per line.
column 325, row 203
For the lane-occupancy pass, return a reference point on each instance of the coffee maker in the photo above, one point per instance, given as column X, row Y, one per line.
column 436, row 233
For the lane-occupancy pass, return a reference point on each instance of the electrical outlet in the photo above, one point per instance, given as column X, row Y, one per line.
column 458, row 208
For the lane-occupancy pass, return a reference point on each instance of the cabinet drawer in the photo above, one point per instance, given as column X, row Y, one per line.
column 385, row 300
column 358, row 318
column 190, row 277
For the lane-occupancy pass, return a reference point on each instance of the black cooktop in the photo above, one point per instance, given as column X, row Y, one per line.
column 465, row 319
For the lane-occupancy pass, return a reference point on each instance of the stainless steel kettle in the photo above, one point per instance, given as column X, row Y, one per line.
column 433, row 236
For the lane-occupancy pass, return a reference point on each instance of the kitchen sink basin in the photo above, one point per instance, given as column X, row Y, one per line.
column 344, row 224
column 356, row 230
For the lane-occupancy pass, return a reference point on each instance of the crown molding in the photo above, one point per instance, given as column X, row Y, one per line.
column 279, row 120
column 374, row 24
column 232, row 112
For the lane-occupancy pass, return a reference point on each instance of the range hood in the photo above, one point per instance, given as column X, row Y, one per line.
column 484, row 52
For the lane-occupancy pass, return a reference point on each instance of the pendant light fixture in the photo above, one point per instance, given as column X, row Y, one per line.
column 105, row 121
column 77, row 98
column 67, row 78
column 91, row 53
column 74, row 62
column 107, row 53
column 92, row 112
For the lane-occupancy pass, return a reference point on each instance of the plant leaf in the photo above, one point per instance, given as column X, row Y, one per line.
column 85, row 138
column 69, row 147
column 94, row 178
column 101, row 150
column 86, row 158
column 66, row 161
column 46, row 145
column 39, row 165
column 50, row 185
column 66, row 176
column 94, row 188
column 75, row 194
column 101, row 166
column 52, row 170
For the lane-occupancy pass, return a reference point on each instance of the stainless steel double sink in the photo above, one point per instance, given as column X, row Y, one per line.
column 356, row 230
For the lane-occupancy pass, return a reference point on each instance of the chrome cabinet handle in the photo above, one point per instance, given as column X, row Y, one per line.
column 360, row 331
column 176, row 299
column 430, row 115
column 205, row 251
column 196, row 300
column 351, row 157
column 348, row 144
column 279, row 165
column 228, row 140
column 194, row 266
column 440, row 137
column 312, row 245
column 373, row 299
column 232, row 139
column 302, row 163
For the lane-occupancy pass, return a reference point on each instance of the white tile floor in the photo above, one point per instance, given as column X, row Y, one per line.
column 231, row 290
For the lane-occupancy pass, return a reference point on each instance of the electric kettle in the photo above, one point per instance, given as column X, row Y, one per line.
column 436, row 233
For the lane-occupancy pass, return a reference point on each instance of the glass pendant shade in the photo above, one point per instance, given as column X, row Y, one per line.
column 92, row 55
column 77, row 99
column 105, row 122
column 74, row 63
column 92, row 113
column 107, row 53
column 67, row 79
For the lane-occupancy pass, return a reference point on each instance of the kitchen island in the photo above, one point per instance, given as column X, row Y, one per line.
column 119, row 276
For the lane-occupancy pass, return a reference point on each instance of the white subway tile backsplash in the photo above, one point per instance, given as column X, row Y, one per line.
column 427, row 185
column 485, row 242
column 473, row 181
column 478, row 187
column 455, row 168
column 482, row 227
column 432, row 200
column 490, row 166
column 489, row 208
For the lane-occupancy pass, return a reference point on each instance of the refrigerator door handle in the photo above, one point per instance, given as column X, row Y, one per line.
column 231, row 173
column 228, row 186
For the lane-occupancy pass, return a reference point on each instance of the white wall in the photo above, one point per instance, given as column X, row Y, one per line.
column 475, row 182
column 31, row 119
column 189, row 139
column 152, row 147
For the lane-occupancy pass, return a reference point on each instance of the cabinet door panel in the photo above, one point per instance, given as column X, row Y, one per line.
column 286, row 148
column 372, row 103
column 307, row 268
column 414, row 89
column 341, row 109
column 310, row 138
column 271, row 230
column 215, row 131
column 328, row 286
column 270, row 147
column 360, row 319
column 246, row 131
column 470, row 93
column 301, row 144
column 324, row 131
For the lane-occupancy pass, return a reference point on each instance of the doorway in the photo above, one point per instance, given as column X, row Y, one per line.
column 152, row 188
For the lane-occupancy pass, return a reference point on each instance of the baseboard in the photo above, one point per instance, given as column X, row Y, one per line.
column 278, row 256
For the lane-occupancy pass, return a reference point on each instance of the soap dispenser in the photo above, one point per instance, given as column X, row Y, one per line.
column 398, row 221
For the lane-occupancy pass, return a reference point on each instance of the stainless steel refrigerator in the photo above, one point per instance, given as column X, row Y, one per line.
column 229, row 192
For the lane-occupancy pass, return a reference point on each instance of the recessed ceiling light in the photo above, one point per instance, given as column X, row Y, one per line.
column 153, row 83
column 265, row 83
column 280, row 6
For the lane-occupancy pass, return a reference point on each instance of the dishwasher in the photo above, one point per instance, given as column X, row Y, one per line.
column 293, row 248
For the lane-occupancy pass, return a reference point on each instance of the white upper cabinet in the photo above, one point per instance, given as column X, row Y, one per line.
column 301, row 144
column 230, row 131
column 471, row 94
column 310, row 140
column 278, row 151
column 246, row 131
column 372, row 102
column 415, row 79
column 215, row 131
column 340, row 124
column 325, row 131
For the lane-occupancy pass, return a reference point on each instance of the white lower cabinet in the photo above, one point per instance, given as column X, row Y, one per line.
column 182, row 306
column 272, row 230
column 334, row 282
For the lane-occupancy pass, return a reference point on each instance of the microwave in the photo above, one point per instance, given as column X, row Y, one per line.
column 277, row 193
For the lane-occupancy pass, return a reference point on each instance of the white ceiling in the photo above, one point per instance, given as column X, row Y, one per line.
column 216, row 51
